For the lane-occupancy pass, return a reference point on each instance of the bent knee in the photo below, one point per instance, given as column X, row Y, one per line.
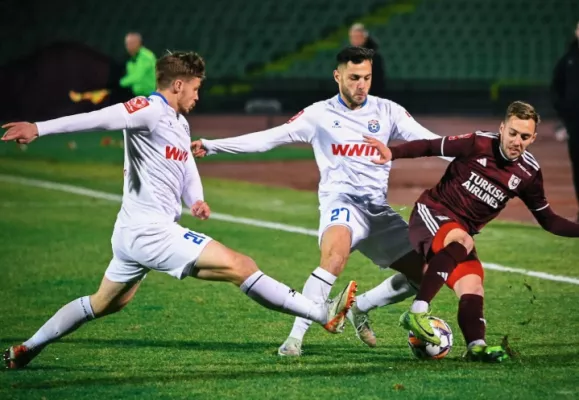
column 334, row 262
column 466, row 240
column 240, row 267
column 102, row 305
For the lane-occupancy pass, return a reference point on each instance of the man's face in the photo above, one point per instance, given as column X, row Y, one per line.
column 357, row 37
column 133, row 44
column 187, row 93
column 354, row 81
column 516, row 135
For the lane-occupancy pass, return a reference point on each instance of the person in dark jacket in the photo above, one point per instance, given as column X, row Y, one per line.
column 360, row 37
column 565, row 89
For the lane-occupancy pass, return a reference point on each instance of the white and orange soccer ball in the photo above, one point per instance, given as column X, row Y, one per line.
column 429, row 351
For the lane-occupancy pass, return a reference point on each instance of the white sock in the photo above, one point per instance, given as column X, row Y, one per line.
column 393, row 290
column 419, row 306
column 477, row 342
column 279, row 297
column 316, row 288
column 66, row 320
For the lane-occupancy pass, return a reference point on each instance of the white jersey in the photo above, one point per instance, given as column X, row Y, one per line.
column 159, row 169
column 336, row 135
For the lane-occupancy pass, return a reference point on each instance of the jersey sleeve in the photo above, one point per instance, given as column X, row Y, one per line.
column 405, row 127
column 299, row 129
column 193, row 189
column 448, row 146
column 137, row 113
column 533, row 194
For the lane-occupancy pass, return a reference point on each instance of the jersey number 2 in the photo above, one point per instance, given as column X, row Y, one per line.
column 194, row 237
column 336, row 214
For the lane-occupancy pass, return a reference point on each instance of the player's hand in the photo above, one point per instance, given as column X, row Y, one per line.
column 21, row 132
column 385, row 153
column 200, row 210
column 197, row 149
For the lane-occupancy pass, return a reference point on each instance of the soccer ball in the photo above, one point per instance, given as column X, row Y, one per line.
column 429, row 351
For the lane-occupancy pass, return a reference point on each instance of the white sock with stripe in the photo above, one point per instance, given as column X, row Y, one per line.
column 279, row 297
column 316, row 288
column 66, row 320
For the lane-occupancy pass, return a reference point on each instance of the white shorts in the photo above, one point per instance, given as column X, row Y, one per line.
column 163, row 247
column 378, row 232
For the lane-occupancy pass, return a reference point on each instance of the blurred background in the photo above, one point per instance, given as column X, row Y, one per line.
column 454, row 64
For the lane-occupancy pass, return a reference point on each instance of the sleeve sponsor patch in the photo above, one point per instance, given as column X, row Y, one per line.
column 465, row 136
column 136, row 104
column 292, row 119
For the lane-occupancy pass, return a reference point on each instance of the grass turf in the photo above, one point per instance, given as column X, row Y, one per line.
column 196, row 339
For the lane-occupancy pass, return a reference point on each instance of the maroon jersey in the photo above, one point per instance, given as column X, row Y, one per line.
column 480, row 181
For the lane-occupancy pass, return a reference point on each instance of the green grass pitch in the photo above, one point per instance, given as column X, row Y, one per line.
column 196, row 339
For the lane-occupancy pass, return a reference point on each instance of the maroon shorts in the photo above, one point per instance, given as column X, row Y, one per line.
column 428, row 229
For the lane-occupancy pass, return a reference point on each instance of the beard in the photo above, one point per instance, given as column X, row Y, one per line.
column 351, row 100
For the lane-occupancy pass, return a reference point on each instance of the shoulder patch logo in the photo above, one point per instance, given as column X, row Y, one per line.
column 292, row 119
column 136, row 103
column 456, row 137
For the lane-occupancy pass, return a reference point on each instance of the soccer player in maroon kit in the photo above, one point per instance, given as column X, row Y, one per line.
column 489, row 169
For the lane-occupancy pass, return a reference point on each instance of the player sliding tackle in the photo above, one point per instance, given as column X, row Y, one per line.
column 159, row 172
column 354, row 209
column 489, row 169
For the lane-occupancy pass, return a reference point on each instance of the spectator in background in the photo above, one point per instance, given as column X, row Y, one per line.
column 565, row 89
column 360, row 37
column 140, row 77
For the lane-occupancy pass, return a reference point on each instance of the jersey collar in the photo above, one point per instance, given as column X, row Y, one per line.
column 503, row 154
column 342, row 102
column 161, row 96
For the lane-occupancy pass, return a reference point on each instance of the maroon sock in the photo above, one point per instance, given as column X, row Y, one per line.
column 439, row 269
column 470, row 317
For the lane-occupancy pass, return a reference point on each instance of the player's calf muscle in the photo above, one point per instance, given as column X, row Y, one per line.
column 335, row 249
column 220, row 263
column 112, row 297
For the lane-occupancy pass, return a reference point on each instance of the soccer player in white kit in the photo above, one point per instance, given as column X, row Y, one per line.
column 354, row 212
column 159, row 172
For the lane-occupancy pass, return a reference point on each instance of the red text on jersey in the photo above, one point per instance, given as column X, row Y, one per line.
column 173, row 153
column 353, row 150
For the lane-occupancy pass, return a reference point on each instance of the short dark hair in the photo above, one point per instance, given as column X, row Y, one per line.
column 522, row 110
column 177, row 65
column 355, row 54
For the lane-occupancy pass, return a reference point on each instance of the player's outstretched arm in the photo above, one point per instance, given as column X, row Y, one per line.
column 299, row 129
column 556, row 224
column 534, row 198
column 135, row 114
column 452, row 146
column 408, row 129
column 193, row 191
